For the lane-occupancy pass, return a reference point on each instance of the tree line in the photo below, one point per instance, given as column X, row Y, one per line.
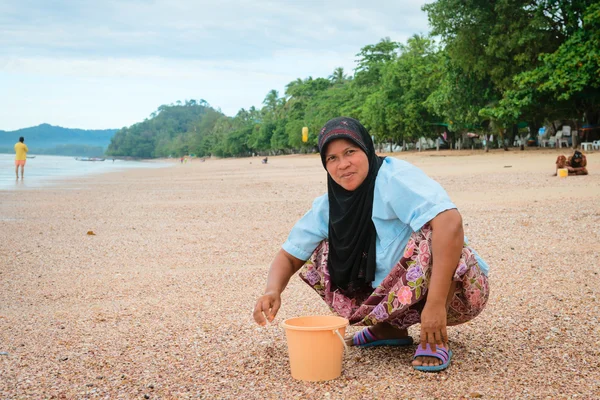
column 486, row 67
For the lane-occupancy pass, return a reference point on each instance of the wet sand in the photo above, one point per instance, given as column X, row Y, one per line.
column 158, row 300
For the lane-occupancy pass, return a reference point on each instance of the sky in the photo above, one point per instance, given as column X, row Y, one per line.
column 110, row 63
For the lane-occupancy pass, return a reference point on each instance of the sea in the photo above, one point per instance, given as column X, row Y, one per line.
column 43, row 171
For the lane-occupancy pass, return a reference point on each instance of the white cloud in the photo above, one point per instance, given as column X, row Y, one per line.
column 91, row 64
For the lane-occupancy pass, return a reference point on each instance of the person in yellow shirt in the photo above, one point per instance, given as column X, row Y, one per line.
column 21, row 156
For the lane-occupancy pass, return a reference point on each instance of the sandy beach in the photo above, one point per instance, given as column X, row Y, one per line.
column 157, row 302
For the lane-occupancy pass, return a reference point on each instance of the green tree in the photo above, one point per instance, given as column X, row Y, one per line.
column 397, row 110
column 459, row 97
column 272, row 105
column 497, row 44
column 338, row 76
column 570, row 76
column 301, row 95
column 371, row 61
column 500, row 38
column 279, row 139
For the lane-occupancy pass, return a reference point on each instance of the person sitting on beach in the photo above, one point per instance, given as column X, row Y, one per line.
column 265, row 160
column 385, row 249
column 575, row 164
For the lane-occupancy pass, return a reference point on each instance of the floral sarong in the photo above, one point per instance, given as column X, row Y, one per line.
column 400, row 297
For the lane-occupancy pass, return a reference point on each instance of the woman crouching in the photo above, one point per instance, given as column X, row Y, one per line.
column 384, row 248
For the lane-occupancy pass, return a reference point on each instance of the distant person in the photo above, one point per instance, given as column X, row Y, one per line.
column 265, row 160
column 576, row 164
column 20, row 156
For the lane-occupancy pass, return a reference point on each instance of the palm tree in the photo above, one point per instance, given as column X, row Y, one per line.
column 338, row 75
column 271, row 100
column 272, row 105
column 290, row 87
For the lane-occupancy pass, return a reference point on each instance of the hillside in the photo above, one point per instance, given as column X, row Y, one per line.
column 49, row 139
column 175, row 130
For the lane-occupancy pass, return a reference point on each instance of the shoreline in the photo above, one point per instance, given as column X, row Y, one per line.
column 46, row 171
column 410, row 156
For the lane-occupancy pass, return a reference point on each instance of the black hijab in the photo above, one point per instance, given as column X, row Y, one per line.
column 576, row 159
column 351, row 231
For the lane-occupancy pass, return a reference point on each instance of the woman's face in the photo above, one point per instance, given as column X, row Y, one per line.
column 346, row 163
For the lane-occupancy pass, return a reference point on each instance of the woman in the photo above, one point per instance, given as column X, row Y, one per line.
column 385, row 249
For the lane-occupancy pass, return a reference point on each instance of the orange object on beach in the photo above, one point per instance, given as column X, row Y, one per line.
column 316, row 346
column 562, row 172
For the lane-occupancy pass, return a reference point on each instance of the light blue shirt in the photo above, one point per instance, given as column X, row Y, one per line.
column 404, row 200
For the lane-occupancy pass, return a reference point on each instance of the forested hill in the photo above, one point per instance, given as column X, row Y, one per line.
column 49, row 139
column 173, row 130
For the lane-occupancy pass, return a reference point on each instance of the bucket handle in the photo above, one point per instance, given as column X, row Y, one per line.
column 337, row 332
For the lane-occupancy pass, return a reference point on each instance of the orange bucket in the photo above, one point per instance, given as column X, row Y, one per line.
column 563, row 172
column 316, row 346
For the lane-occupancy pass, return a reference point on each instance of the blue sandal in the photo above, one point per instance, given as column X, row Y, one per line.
column 365, row 338
column 441, row 353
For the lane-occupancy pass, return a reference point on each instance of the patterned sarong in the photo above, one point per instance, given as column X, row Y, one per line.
column 400, row 297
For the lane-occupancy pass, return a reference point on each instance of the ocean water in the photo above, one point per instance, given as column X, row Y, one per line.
column 43, row 171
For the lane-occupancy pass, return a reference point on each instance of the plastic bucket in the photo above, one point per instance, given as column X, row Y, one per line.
column 315, row 346
column 563, row 172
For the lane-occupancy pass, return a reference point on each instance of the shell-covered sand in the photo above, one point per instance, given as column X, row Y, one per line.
column 157, row 303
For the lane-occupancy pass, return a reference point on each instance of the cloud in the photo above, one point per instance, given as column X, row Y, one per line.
column 148, row 53
column 199, row 30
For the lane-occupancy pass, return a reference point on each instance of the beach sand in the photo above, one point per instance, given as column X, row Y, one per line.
column 157, row 303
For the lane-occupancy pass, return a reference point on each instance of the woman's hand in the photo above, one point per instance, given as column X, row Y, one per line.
column 266, row 307
column 433, row 326
column 446, row 246
column 282, row 268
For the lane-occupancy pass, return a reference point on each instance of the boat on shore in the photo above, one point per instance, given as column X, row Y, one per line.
column 89, row 159
column 30, row 156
